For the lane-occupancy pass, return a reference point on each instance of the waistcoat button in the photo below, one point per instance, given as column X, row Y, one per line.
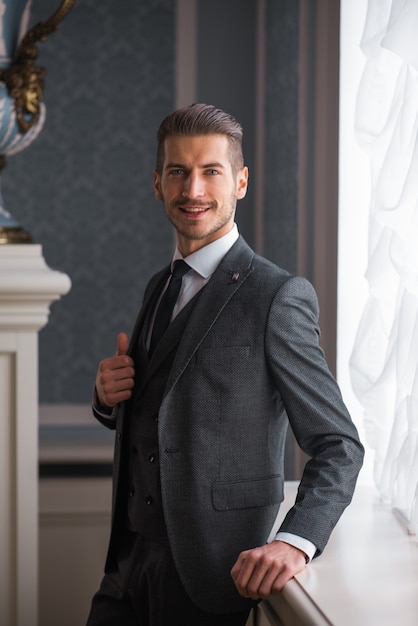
column 151, row 457
column 148, row 500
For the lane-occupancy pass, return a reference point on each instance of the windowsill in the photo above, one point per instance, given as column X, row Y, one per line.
column 367, row 575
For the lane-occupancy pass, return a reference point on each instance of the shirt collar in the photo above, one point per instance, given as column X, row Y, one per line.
column 205, row 260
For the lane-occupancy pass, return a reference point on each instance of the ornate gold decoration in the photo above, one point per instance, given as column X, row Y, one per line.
column 13, row 235
column 24, row 79
column 25, row 83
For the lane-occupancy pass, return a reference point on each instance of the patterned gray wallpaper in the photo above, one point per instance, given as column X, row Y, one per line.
column 83, row 189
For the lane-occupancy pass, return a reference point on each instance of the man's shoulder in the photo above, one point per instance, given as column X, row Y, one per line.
column 241, row 250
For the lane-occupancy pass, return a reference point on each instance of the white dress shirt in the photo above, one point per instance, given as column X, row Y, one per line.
column 203, row 263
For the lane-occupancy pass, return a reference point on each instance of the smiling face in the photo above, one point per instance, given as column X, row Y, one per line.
column 199, row 189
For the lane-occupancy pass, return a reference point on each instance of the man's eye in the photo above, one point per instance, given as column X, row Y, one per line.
column 177, row 172
column 212, row 172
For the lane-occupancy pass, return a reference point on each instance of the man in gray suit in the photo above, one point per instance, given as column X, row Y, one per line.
column 201, row 412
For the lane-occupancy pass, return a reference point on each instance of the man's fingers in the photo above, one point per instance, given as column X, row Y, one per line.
column 242, row 572
column 115, row 376
column 255, row 576
column 117, row 379
column 115, row 385
column 263, row 571
column 113, row 399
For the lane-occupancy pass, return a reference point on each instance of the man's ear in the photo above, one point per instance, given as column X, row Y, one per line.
column 242, row 182
column 157, row 185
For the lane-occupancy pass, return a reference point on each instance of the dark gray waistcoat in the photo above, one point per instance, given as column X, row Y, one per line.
column 144, row 508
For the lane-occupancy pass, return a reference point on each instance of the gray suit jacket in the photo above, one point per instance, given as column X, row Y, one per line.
column 248, row 362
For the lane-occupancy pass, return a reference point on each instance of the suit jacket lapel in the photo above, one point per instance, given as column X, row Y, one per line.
column 230, row 275
column 150, row 298
column 169, row 341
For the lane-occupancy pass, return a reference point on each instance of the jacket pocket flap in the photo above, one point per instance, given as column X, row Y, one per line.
column 247, row 494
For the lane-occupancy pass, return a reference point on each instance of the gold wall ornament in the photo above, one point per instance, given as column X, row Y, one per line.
column 21, row 92
column 24, row 79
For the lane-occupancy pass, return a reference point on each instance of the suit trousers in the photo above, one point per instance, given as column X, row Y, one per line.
column 146, row 591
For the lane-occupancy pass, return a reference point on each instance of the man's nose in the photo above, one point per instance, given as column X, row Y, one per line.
column 193, row 186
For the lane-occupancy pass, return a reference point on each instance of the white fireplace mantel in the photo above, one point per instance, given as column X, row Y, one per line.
column 27, row 289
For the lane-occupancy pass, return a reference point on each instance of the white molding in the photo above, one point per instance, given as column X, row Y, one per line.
column 74, row 526
column 76, row 453
column 27, row 289
column 54, row 418
column 65, row 415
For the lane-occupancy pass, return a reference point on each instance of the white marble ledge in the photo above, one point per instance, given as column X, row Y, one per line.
column 367, row 575
column 25, row 275
column 27, row 288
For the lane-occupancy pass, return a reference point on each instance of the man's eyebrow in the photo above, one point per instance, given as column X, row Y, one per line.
column 205, row 166
column 213, row 165
column 179, row 165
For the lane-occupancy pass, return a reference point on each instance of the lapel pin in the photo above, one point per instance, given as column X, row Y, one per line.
column 235, row 276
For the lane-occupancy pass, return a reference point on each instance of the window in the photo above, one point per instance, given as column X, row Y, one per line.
column 378, row 233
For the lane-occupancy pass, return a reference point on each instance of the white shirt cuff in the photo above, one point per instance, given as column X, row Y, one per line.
column 105, row 412
column 298, row 542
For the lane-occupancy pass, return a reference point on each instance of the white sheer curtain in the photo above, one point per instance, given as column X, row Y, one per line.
column 384, row 360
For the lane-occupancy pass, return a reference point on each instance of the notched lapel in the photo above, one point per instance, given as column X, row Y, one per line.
column 231, row 274
column 169, row 341
column 141, row 324
column 150, row 298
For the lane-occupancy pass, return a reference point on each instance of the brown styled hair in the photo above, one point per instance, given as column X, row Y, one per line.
column 202, row 119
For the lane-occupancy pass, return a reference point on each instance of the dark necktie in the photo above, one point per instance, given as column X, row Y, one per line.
column 169, row 299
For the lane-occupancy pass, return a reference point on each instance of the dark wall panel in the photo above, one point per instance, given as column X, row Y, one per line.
column 226, row 53
column 281, row 132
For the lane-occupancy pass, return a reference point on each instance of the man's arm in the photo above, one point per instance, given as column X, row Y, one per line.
column 319, row 419
column 323, row 429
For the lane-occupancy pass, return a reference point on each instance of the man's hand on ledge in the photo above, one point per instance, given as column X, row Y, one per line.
column 261, row 572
